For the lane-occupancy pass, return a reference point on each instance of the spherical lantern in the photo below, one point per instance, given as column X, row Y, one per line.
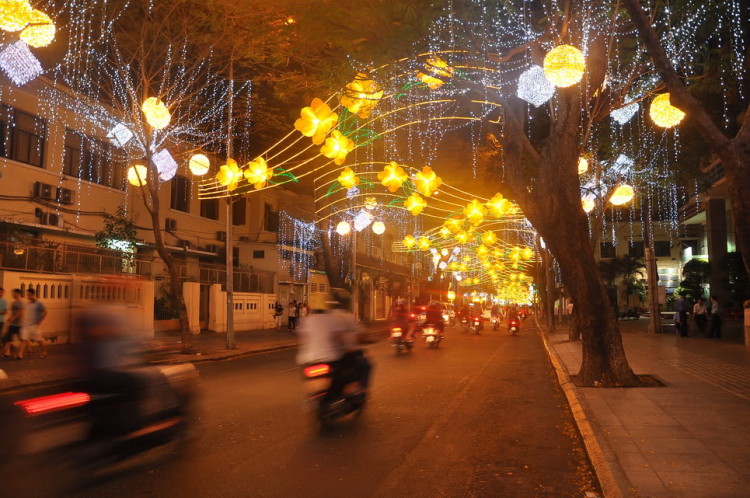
column 343, row 228
column 622, row 195
column 583, row 165
column 157, row 114
column 40, row 32
column 378, row 227
column 199, row 164
column 588, row 204
column 564, row 66
column 14, row 14
column 137, row 175
column 663, row 113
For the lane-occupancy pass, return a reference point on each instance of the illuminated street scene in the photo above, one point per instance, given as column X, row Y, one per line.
column 424, row 248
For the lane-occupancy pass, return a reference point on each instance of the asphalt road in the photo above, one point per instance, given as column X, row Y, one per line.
column 480, row 417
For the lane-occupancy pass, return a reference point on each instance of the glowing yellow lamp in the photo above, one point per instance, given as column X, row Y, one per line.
column 137, row 175
column 40, row 31
column 451, row 295
column 622, row 195
column 663, row 113
column 424, row 243
column 258, row 173
column 409, row 242
column 14, row 14
column 583, row 165
column 157, row 114
column 378, row 227
column 489, row 238
column 199, row 164
column 564, row 66
column 336, row 147
column 415, row 204
column 588, row 204
column 343, row 228
column 427, row 182
column 392, row 176
column 348, row 179
column 316, row 121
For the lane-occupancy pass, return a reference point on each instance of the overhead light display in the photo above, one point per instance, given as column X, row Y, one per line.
column 663, row 113
column 199, row 164
column 534, row 87
column 622, row 195
column 157, row 114
column 137, row 175
column 564, row 65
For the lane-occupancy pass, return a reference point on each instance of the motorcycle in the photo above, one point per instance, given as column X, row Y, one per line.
column 398, row 340
column 82, row 429
column 335, row 390
column 431, row 335
column 495, row 321
column 476, row 324
column 514, row 326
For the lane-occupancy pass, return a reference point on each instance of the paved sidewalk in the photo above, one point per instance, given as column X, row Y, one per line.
column 60, row 363
column 689, row 439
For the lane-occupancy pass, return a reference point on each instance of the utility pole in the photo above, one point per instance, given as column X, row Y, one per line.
column 230, row 202
column 355, row 290
column 549, row 269
column 653, row 277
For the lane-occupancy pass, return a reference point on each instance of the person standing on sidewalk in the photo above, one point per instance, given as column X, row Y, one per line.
column 715, row 330
column 293, row 312
column 700, row 315
column 36, row 312
column 14, row 322
column 278, row 312
column 304, row 310
column 569, row 312
column 682, row 308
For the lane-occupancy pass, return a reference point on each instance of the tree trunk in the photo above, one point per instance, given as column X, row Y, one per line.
column 736, row 162
column 333, row 265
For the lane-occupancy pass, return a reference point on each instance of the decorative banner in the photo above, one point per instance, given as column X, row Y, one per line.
column 534, row 87
column 165, row 165
column 19, row 63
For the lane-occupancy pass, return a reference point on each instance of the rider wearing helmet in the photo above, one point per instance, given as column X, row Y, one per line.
column 434, row 316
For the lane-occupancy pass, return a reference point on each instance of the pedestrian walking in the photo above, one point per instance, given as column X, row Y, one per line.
column 682, row 308
column 304, row 310
column 700, row 316
column 569, row 312
column 293, row 312
column 14, row 322
column 715, row 330
column 278, row 312
column 31, row 331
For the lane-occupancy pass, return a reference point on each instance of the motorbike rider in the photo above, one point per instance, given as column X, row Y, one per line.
column 333, row 337
column 513, row 314
column 477, row 311
column 434, row 316
column 463, row 312
column 401, row 319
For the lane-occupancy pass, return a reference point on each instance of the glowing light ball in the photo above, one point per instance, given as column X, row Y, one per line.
column 343, row 228
column 137, row 175
column 564, row 65
column 409, row 242
column 14, row 14
column 622, row 195
column 199, row 164
column 583, row 166
column 378, row 227
column 459, row 277
column 534, row 87
column 157, row 114
column 663, row 113
column 40, row 31
column 444, row 252
column 451, row 295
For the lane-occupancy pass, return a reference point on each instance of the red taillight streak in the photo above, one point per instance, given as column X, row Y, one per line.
column 317, row 370
column 37, row 406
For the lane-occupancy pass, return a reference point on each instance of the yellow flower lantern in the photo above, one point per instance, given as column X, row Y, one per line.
column 482, row 251
column 348, row 179
column 343, row 228
column 199, row 164
column 663, row 113
column 316, row 121
column 392, row 176
column 137, row 175
column 489, row 238
column 258, row 173
column 157, row 114
column 453, row 266
column 463, row 267
column 415, row 204
column 424, row 243
column 454, row 224
column 361, row 96
column 438, row 66
column 622, row 195
column 474, row 212
column 378, row 227
column 337, row 146
column 583, row 165
column 14, row 14
column 427, row 182
column 229, row 175
column 409, row 242
column 371, row 203
column 40, row 31
column 445, row 232
column 564, row 66
column 462, row 237
column 527, row 253
column 588, row 204
column 467, row 259
column 431, row 82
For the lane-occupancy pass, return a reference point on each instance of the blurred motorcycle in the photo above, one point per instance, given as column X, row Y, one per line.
column 398, row 340
column 514, row 326
column 495, row 321
column 431, row 335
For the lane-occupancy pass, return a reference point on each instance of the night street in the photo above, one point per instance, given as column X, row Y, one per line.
column 481, row 416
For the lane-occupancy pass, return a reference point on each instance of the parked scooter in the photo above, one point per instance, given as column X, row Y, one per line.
column 431, row 335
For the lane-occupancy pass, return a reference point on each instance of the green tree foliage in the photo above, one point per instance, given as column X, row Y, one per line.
column 119, row 232
column 739, row 286
column 695, row 273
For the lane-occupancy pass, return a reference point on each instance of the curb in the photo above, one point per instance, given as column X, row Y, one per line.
column 607, row 481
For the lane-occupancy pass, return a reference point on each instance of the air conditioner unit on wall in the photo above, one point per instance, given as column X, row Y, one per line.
column 212, row 248
column 244, row 238
column 55, row 220
column 221, row 236
column 185, row 244
column 170, row 225
column 43, row 190
column 65, row 195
